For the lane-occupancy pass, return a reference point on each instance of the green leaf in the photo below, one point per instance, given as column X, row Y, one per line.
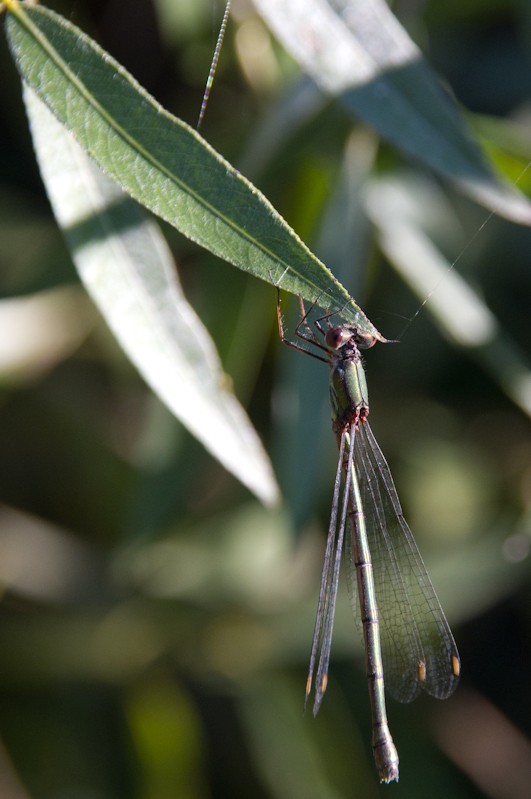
column 161, row 161
column 125, row 265
column 358, row 52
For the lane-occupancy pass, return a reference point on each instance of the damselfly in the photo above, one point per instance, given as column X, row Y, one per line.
column 407, row 638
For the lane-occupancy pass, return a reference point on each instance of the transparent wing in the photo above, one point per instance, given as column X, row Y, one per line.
column 324, row 621
column 418, row 649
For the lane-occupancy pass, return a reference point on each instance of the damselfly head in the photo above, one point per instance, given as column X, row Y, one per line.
column 337, row 337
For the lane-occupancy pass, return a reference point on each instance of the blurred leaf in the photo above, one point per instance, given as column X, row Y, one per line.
column 161, row 161
column 41, row 561
column 127, row 268
column 168, row 740
column 396, row 209
column 39, row 331
column 359, row 52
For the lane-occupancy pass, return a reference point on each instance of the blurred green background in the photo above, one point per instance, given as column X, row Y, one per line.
column 156, row 621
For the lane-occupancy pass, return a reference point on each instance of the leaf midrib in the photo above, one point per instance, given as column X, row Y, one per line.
column 134, row 144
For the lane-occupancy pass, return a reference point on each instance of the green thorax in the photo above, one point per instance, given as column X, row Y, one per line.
column 349, row 397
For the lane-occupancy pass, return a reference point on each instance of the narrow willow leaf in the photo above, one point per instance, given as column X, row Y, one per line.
column 161, row 161
column 358, row 51
column 127, row 268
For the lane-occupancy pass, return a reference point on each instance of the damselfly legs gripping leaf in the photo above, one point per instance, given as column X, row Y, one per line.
column 407, row 638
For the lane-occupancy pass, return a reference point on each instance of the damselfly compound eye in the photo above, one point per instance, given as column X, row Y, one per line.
column 364, row 340
column 337, row 337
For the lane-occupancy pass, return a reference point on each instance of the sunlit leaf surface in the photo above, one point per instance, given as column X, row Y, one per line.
column 358, row 52
column 162, row 162
column 126, row 266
